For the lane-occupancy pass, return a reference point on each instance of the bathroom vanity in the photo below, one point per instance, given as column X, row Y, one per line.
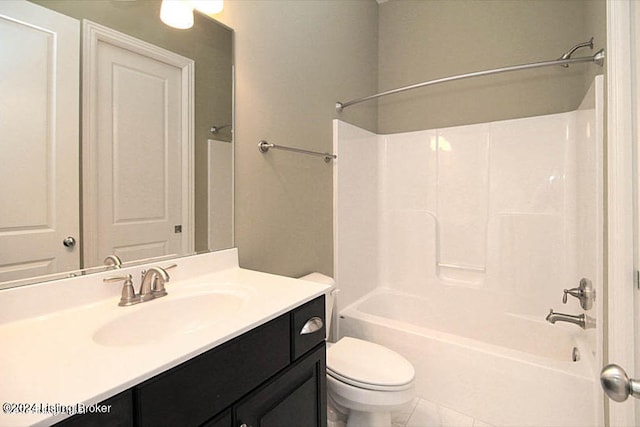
column 270, row 375
column 256, row 363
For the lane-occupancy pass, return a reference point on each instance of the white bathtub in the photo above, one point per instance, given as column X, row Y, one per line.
column 498, row 368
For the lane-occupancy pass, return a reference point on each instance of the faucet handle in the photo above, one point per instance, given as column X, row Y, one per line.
column 114, row 279
column 574, row 292
column 584, row 292
column 128, row 296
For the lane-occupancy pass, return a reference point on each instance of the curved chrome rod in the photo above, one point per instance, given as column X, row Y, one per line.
column 570, row 52
column 598, row 58
column 264, row 147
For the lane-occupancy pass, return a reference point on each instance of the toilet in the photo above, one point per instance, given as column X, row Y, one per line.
column 365, row 381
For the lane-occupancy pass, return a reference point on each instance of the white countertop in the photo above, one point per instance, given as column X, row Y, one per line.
column 52, row 353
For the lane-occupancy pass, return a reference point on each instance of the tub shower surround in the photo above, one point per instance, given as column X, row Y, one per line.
column 451, row 246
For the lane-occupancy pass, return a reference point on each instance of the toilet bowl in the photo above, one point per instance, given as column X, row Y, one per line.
column 365, row 381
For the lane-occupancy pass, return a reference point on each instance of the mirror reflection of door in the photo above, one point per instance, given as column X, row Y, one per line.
column 137, row 142
column 39, row 141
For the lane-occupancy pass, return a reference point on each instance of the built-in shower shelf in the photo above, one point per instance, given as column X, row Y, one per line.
column 461, row 275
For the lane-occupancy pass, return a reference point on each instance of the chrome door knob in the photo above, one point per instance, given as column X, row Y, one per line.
column 69, row 242
column 617, row 384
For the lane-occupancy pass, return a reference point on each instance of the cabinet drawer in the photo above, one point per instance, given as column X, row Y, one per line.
column 202, row 387
column 307, row 314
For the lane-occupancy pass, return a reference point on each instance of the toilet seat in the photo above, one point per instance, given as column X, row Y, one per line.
column 369, row 366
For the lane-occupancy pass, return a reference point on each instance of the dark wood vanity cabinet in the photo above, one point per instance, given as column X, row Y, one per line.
column 200, row 388
column 119, row 413
column 270, row 376
column 296, row 398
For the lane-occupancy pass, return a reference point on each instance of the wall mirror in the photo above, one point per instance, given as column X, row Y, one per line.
column 117, row 136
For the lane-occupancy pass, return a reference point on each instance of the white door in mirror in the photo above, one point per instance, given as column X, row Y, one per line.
column 39, row 141
column 139, row 137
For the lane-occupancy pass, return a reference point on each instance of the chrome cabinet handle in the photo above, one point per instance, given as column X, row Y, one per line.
column 69, row 242
column 617, row 384
column 312, row 325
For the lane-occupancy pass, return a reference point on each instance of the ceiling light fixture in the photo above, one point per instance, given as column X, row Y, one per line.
column 179, row 13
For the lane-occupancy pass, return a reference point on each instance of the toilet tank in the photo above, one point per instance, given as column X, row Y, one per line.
column 329, row 295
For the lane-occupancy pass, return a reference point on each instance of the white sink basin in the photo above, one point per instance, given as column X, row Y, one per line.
column 165, row 317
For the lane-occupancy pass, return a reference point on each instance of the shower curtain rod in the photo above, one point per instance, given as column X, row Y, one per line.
column 564, row 61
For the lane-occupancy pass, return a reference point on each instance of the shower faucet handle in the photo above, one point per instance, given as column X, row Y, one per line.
column 584, row 292
column 574, row 292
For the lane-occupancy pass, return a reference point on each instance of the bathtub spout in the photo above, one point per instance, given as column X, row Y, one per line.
column 582, row 320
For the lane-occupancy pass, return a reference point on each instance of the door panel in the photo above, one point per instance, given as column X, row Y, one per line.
column 138, row 105
column 138, row 140
column 39, row 82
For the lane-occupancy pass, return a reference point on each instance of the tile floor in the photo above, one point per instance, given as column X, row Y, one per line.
column 423, row 413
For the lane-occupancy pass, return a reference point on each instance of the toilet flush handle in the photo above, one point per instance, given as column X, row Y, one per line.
column 312, row 325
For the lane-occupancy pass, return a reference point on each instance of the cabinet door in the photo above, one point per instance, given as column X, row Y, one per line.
column 295, row 398
column 116, row 411
column 202, row 387
column 222, row 420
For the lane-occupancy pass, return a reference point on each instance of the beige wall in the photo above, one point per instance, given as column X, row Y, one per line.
column 423, row 40
column 294, row 60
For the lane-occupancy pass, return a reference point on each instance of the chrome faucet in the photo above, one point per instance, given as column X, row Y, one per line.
column 151, row 286
column 582, row 320
column 113, row 261
column 152, row 283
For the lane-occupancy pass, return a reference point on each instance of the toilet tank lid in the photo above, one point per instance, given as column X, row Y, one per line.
column 368, row 363
column 319, row 278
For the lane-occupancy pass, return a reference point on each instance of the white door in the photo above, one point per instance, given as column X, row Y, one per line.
column 138, row 136
column 623, row 261
column 39, row 141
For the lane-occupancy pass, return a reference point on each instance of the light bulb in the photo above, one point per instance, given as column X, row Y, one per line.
column 177, row 13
